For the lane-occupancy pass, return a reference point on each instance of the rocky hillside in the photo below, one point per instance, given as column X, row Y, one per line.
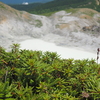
column 73, row 27
column 14, row 24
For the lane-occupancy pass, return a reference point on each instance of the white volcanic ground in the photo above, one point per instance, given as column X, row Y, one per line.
column 64, row 52
column 60, row 33
column 61, row 28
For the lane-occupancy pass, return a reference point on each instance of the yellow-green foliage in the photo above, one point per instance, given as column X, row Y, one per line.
column 71, row 10
column 49, row 13
column 37, row 75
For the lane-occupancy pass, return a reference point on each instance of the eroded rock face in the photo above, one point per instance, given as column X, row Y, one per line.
column 92, row 28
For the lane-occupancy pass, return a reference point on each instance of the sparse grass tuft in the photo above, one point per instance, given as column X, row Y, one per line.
column 1, row 6
column 38, row 23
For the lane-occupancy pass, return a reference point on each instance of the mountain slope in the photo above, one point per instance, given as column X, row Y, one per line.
column 74, row 27
column 58, row 5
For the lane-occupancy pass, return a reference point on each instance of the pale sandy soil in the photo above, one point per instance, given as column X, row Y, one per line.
column 64, row 52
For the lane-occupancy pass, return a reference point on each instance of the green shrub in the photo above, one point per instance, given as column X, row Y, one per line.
column 37, row 75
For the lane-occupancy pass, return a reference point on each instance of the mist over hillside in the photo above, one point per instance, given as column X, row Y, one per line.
column 77, row 28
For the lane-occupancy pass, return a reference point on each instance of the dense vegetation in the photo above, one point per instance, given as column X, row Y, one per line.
column 25, row 7
column 58, row 5
column 37, row 75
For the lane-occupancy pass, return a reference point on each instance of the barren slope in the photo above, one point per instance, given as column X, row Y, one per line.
column 73, row 27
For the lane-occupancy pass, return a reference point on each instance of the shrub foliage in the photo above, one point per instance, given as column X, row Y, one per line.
column 37, row 75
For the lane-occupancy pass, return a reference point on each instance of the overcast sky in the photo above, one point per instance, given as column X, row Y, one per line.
column 21, row 1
